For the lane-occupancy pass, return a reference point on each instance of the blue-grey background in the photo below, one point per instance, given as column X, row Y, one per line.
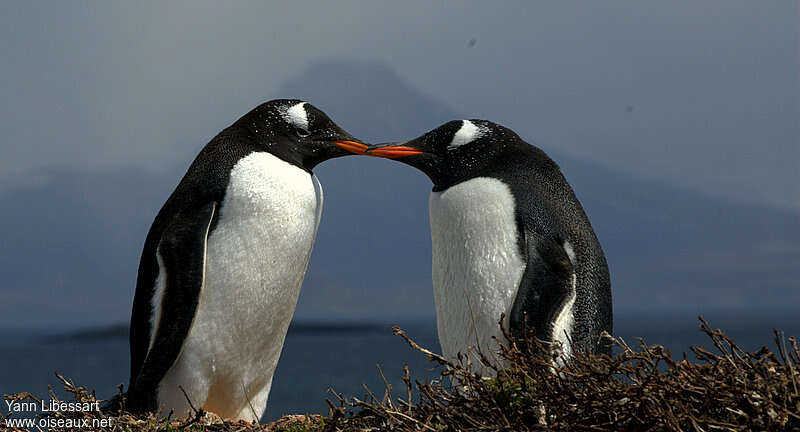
column 676, row 124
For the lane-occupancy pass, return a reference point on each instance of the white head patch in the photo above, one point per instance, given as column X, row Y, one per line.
column 296, row 115
column 466, row 134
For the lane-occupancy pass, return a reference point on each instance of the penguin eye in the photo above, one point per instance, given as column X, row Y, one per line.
column 301, row 132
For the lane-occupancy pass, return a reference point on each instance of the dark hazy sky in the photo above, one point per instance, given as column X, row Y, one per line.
column 699, row 96
column 704, row 94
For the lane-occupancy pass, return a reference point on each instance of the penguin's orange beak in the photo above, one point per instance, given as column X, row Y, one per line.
column 392, row 151
column 352, row 146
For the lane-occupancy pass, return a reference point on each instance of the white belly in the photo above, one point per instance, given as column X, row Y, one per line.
column 255, row 263
column 476, row 263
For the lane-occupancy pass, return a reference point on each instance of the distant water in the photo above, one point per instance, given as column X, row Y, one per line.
column 318, row 357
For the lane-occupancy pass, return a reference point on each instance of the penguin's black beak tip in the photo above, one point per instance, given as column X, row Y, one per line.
column 391, row 150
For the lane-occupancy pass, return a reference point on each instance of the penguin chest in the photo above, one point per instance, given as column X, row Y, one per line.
column 256, row 260
column 477, row 267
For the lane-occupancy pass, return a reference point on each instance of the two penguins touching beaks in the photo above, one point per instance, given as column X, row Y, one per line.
column 223, row 262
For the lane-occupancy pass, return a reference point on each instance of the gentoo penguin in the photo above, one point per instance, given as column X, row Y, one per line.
column 223, row 262
column 509, row 236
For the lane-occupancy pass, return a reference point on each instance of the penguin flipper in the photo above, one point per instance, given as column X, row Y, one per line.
column 182, row 249
column 320, row 197
column 545, row 287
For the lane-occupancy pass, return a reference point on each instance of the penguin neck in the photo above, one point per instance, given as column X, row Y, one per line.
column 304, row 157
column 262, row 140
column 517, row 155
column 457, row 172
column 292, row 156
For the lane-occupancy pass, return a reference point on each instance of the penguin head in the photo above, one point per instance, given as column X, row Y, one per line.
column 299, row 133
column 454, row 152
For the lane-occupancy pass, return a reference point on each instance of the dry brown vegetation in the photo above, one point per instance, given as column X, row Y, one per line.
column 641, row 388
